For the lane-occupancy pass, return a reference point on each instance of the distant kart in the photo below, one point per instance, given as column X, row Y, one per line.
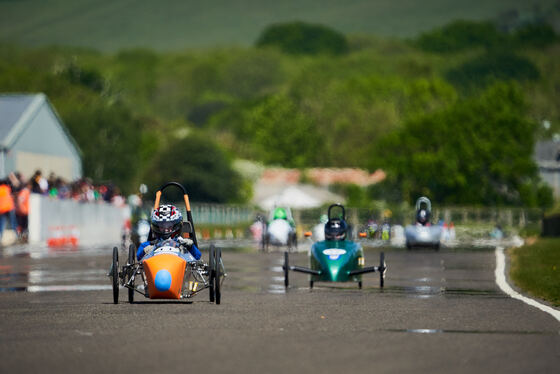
column 423, row 233
column 280, row 231
column 140, row 231
column 166, row 275
column 336, row 259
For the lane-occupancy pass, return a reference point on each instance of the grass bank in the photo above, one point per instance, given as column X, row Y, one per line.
column 536, row 269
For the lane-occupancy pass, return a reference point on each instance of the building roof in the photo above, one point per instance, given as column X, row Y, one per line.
column 547, row 154
column 547, row 150
column 323, row 176
column 16, row 113
column 12, row 108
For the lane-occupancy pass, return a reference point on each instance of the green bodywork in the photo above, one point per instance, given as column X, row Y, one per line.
column 335, row 265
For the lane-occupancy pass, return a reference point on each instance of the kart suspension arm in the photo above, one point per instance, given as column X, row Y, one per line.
column 304, row 270
column 370, row 269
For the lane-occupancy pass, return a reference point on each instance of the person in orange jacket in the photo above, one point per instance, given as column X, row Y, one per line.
column 7, row 206
column 22, row 209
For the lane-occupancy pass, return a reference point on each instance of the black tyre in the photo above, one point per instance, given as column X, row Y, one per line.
column 131, row 260
column 311, row 284
column 286, row 269
column 382, row 268
column 266, row 242
column 360, row 285
column 290, row 243
column 115, row 275
column 218, row 276
column 212, row 272
column 263, row 238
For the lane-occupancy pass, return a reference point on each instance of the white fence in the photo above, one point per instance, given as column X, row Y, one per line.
column 69, row 222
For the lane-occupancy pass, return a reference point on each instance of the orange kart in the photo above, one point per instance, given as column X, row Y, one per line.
column 166, row 274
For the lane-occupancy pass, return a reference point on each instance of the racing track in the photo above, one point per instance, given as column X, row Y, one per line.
column 440, row 312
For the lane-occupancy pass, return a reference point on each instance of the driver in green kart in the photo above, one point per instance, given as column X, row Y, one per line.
column 280, row 213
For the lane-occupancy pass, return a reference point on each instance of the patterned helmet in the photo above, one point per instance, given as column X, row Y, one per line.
column 166, row 221
column 335, row 229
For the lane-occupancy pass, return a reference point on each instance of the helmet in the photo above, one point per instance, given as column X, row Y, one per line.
column 280, row 213
column 423, row 216
column 167, row 221
column 335, row 229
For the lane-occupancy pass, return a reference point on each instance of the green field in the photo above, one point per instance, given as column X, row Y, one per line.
column 111, row 25
column 536, row 269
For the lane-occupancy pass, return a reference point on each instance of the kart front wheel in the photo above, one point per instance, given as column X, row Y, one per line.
column 131, row 259
column 218, row 275
column 286, row 269
column 382, row 268
column 115, row 275
column 211, row 272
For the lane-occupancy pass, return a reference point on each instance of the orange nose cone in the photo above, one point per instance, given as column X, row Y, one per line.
column 164, row 274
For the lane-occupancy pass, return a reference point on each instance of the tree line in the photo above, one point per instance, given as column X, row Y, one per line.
column 453, row 113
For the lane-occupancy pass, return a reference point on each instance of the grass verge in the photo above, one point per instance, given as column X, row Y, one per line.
column 536, row 269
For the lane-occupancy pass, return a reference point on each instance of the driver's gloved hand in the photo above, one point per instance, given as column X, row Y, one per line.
column 148, row 249
column 199, row 264
column 185, row 241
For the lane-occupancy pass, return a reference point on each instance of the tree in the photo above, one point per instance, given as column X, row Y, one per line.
column 535, row 35
column 200, row 165
column 283, row 134
column 478, row 151
column 108, row 135
column 303, row 38
column 485, row 69
column 460, row 35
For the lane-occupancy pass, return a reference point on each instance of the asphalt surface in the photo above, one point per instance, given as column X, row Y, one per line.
column 439, row 312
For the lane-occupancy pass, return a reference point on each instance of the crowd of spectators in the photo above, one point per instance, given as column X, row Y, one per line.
column 82, row 190
column 15, row 191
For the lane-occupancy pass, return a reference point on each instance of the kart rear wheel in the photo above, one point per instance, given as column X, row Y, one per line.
column 115, row 275
column 131, row 258
column 218, row 275
column 263, row 237
column 266, row 242
column 286, row 269
column 360, row 285
column 212, row 272
column 382, row 268
column 311, row 285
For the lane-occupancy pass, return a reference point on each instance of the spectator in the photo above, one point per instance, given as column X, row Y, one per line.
column 7, row 206
column 40, row 184
column 22, row 210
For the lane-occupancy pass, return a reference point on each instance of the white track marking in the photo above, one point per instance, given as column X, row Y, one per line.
column 505, row 287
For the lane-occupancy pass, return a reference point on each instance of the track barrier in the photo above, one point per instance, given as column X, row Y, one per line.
column 59, row 223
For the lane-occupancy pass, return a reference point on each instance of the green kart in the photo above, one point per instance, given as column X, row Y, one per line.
column 336, row 259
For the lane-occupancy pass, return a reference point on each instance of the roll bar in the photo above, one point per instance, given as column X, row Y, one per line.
column 424, row 200
column 339, row 206
column 187, row 204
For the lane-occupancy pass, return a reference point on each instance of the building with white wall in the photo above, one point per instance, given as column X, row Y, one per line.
column 33, row 137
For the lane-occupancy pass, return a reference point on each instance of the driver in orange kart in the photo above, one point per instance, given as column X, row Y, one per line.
column 166, row 225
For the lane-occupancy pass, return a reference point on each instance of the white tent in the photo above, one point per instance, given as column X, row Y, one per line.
column 293, row 197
